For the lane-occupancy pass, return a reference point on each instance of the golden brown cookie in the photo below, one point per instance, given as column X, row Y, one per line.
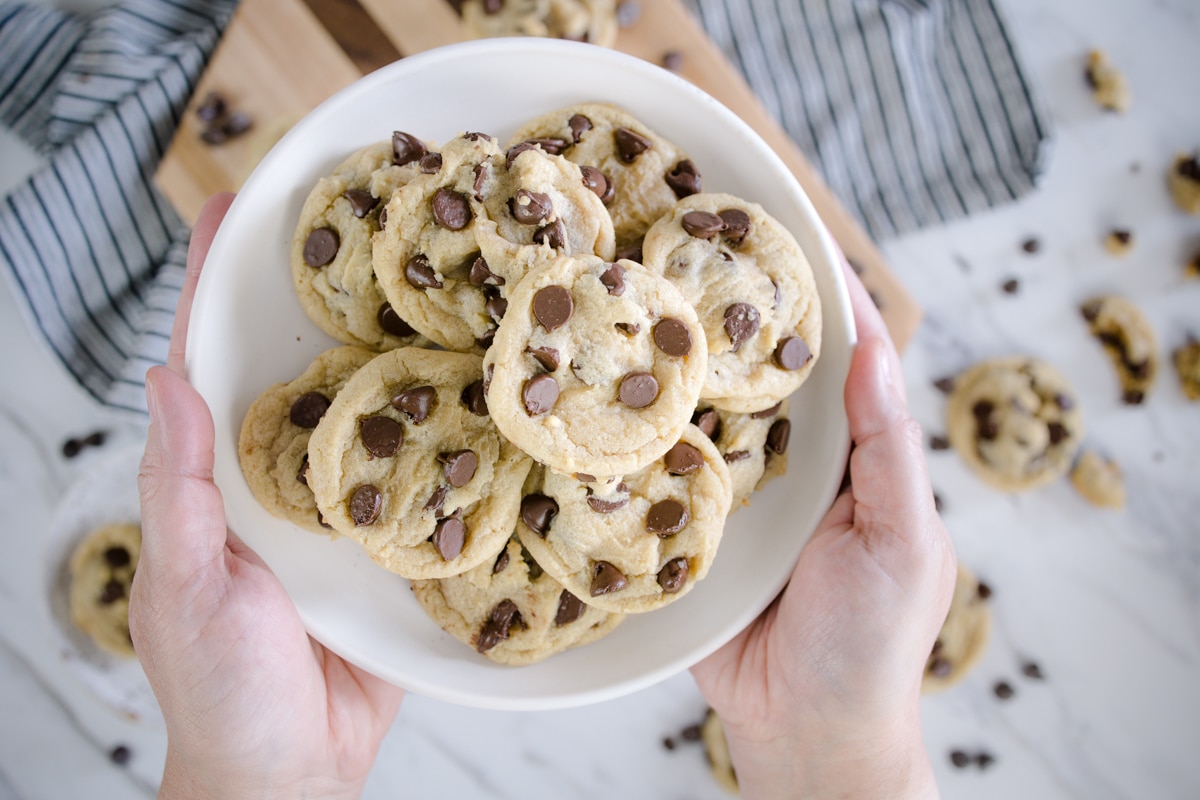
column 1109, row 87
column 754, row 446
column 964, row 635
column 1127, row 337
column 101, row 569
column 716, row 752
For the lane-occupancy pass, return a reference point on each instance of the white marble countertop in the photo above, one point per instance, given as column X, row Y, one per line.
column 1107, row 603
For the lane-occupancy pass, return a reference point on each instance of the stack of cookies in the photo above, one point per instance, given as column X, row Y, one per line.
column 564, row 364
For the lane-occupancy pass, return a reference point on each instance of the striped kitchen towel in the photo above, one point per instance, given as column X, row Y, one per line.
column 915, row 111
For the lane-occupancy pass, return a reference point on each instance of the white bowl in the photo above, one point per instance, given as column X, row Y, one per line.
column 248, row 331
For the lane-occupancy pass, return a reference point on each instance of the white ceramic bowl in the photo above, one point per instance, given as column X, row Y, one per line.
column 248, row 331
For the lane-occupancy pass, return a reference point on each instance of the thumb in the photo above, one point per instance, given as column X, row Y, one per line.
column 183, row 517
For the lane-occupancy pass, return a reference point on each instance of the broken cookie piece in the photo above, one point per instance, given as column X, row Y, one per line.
column 1109, row 88
column 1129, row 341
column 1187, row 365
column 1099, row 480
column 1118, row 242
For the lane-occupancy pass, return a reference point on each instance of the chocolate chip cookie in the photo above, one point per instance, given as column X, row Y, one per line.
column 753, row 290
column 101, row 570
column 637, row 543
column 331, row 249
column 407, row 462
column 596, row 366
column 964, row 635
column 716, row 749
column 592, row 21
column 637, row 173
column 1015, row 421
column 273, row 443
column 1129, row 341
column 511, row 611
column 754, row 446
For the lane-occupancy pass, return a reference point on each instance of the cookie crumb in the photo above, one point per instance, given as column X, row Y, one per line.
column 1109, row 88
column 1118, row 242
column 1099, row 480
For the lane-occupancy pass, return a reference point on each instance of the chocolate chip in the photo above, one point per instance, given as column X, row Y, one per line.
column 599, row 183
column 474, row 398
column 530, row 208
column 431, row 163
column 485, row 341
column 546, row 356
column 983, row 590
column 406, row 148
column 459, row 467
column 451, row 210
column 938, row 442
column 579, row 125
column 496, row 307
column 449, row 535
column 702, row 224
column 481, row 176
column 1032, row 671
column 416, row 402
column 551, row 145
column 630, row 145
column 516, row 150
column 482, row 275
column 308, row 409
column 1057, row 432
column 382, row 436
column 741, row 322
column 666, row 517
column 1003, row 690
column 212, row 107
column 984, row 760
column 570, row 608
column 779, row 435
column 392, row 323
column 672, row 60
column 709, row 423
column 499, row 622
column 1011, row 286
column 1091, row 310
column 630, row 252
column 365, row 504
column 684, row 179
column 692, row 733
column 1031, row 245
column 584, row 477
column 734, row 456
column 477, row 136
column 673, row 337
column 501, row 562
column 321, row 247
column 361, row 201
column 553, row 306
column 553, row 235
column 607, row 579
column 673, row 575
column 603, row 505
column 420, row 273
column 1189, row 168
column 792, row 353
column 540, row 393
column 613, row 279
column 113, row 591
column 1133, row 397
column 117, row 557
column 668, row 743
column 71, row 448
column 767, row 413
column 737, row 225
column 959, row 759
column 638, row 389
column 683, row 459
column 944, row 385
column 120, row 755
column 436, row 500
column 538, row 511
column 939, row 667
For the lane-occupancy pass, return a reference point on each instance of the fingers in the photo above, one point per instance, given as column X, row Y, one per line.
column 868, row 320
column 183, row 518
column 202, row 236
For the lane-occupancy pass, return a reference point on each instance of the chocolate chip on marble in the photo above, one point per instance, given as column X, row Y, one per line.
column 684, row 179
column 630, row 252
column 113, row 591
column 1133, row 397
column 940, row 667
column 673, row 575
column 938, row 442
column 579, row 125
column 449, row 536
column 436, row 500
column 406, row 148
column 308, row 409
column 767, row 413
column 944, row 385
column 673, row 337
column 361, row 201
column 599, row 183
column 737, row 225
column 365, row 505
column 741, row 323
column 430, row 163
column 538, row 511
column 1031, row 245
column 683, row 459
column 539, row 394
column 531, row 208
column 983, row 590
column 117, row 557
column 120, row 755
column 481, row 274
column 553, row 306
column 1011, row 286
column 416, row 402
column 553, row 235
column 321, row 247
column 734, row 456
column 392, row 323
column 792, row 353
column 382, row 436
column 546, row 356
column 983, row 760
column 607, row 579
column 570, row 608
column 72, row 447
column 459, row 467
column 692, row 733
column 630, row 144
column 502, row 618
column 501, row 563
column 959, row 759
column 666, row 517
column 709, row 423
column 1003, row 690
column 779, row 435
column 451, row 209
column 638, row 389
column 475, row 398
column 1032, row 671
column 482, row 172
column 613, row 279
column 702, row 224
column 420, row 274
column 607, row 505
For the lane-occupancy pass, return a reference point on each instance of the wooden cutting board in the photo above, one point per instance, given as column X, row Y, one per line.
column 278, row 59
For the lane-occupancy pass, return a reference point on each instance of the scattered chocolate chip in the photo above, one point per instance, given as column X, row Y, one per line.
column 638, row 389
column 553, row 235
column 792, row 353
column 734, row 456
column 1011, row 286
column 672, row 60
column 684, row 179
column 321, row 247
column 474, row 397
column 607, row 579
column 449, row 535
column 383, row 219
column 1189, row 168
column 628, row 12
column 939, row 442
column 959, row 759
column 603, row 505
column 420, row 274
column 666, row 517
column 459, row 467
column 416, row 402
column 984, row 760
column 600, row 184
column 939, row 667
column 406, row 148
column 1133, row 397
column 984, row 591
column 767, row 412
column 692, row 733
column 570, row 608
column 1032, row 671
column 212, row 107
column 613, row 279
column 365, row 504
column 499, row 622
column 683, row 459
column 741, row 322
column 944, row 385
column 668, row 743
column 538, row 511
column 546, row 356
column 392, row 323
column 430, row 163
column 779, row 435
column 673, row 337
column 540, row 393
column 530, row 208
column 382, row 436
column 322, row 521
column 1122, row 236
column 114, row 590
column 120, row 755
column 579, row 125
column 737, row 225
column 308, row 409
column 702, row 224
column 585, row 477
column 361, row 201
column 673, row 575
column 1003, row 690
column 709, row 423
column 71, row 448
column 553, row 306
column 501, row 562
column 451, row 210
column 436, row 500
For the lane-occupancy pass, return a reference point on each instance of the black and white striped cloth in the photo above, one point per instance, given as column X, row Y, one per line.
column 915, row 112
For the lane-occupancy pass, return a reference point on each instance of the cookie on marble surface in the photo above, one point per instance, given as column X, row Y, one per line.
column 963, row 637
column 640, row 173
column 1015, row 421
column 1099, row 480
column 596, row 367
column 753, row 290
column 101, row 572
column 593, row 21
column 1183, row 179
column 637, row 543
column 716, row 752
column 273, row 443
column 408, row 463
column 1109, row 87
column 754, row 446
column 511, row 611
column 1127, row 337
column 331, row 249
column 1187, row 366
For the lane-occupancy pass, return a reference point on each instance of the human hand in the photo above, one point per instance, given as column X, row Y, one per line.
column 254, row 707
column 820, row 695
